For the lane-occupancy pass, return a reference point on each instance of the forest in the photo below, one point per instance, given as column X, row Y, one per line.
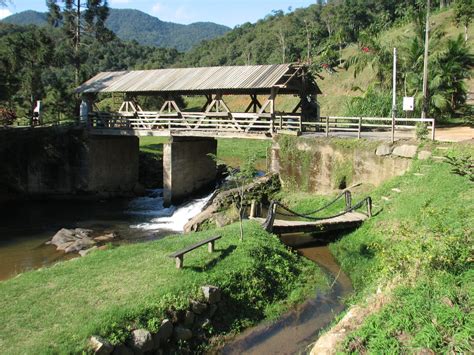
column 46, row 63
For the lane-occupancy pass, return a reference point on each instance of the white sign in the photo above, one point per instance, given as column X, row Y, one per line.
column 408, row 103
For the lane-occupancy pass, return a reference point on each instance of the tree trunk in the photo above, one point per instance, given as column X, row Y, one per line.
column 77, row 42
column 465, row 33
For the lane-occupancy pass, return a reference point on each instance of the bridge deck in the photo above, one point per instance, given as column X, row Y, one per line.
column 347, row 221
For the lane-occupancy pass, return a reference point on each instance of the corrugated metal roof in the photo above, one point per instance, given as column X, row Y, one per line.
column 188, row 79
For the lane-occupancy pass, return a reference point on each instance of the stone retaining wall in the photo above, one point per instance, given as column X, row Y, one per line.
column 185, row 326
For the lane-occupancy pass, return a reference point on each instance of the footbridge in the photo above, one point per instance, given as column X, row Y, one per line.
column 255, row 116
column 291, row 221
column 187, row 163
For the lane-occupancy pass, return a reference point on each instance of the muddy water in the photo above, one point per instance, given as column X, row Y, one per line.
column 296, row 330
column 26, row 226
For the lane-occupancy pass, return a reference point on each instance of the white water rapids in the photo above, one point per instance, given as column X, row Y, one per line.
column 157, row 217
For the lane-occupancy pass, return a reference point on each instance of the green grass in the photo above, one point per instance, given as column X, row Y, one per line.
column 421, row 239
column 231, row 151
column 153, row 145
column 55, row 309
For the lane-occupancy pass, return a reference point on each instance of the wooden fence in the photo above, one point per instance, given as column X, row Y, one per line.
column 252, row 123
column 362, row 125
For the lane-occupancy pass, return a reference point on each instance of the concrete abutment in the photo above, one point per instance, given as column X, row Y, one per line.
column 188, row 167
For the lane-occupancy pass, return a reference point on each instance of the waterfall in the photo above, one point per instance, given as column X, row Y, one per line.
column 157, row 217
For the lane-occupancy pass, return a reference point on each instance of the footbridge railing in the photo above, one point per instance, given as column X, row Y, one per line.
column 195, row 121
column 272, row 210
column 360, row 125
column 260, row 123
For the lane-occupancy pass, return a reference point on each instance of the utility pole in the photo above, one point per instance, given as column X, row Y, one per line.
column 394, row 93
column 424, row 109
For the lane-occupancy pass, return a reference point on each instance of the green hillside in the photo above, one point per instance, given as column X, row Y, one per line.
column 340, row 86
column 279, row 37
column 135, row 25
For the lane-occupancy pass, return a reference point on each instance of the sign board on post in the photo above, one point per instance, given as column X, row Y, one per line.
column 408, row 103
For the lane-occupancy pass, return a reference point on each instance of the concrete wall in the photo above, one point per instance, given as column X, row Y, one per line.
column 112, row 163
column 59, row 161
column 187, row 167
column 324, row 166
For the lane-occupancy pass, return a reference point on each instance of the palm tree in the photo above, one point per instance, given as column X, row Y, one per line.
column 449, row 68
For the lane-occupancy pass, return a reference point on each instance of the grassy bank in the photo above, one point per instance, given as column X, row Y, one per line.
column 421, row 243
column 231, row 151
column 55, row 309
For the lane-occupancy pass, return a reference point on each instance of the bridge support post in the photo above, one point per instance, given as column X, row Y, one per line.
column 188, row 167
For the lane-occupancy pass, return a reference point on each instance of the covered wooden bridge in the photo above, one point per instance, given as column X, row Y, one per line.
column 260, row 83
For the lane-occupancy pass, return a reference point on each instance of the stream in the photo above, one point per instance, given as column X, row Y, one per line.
column 295, row 331
column 27, row 225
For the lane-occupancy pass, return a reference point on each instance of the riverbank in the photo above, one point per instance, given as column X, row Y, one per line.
column 412, row 262
column 109, row 293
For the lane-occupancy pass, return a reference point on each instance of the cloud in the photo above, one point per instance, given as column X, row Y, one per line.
column 118, row 2
column 182, row 14
column 157, row 8
column 4, row 13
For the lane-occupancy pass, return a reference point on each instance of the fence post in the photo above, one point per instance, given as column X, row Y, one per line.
column 433, row 129
column 369, row 206
column 360, row 128
column 393, row 129
column 327, row 126
column 348, row 198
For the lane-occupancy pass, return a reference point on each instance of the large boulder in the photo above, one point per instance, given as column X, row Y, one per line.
column 212, row 294
column 383, row 149
column 405, row 151
column 198, row 307
column 164, row 333
column 72, row 240
column 87, row 251
column 106, row 238
column 181, row 333
column 141, row 341
column 100, row 345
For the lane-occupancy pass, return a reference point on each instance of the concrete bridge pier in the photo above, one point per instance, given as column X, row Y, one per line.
column 187, row 167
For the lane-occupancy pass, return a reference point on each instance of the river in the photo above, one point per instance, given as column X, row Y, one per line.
column 25, row 226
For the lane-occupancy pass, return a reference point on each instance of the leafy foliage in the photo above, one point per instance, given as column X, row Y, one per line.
column 463, row 14
column 36, row 63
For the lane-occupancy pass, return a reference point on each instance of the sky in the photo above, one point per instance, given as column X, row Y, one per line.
column 225, row 12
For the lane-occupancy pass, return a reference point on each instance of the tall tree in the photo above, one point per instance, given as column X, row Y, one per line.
column 463, row 14
column 79, row 19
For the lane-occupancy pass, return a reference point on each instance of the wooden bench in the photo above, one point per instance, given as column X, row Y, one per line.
column 179, row 255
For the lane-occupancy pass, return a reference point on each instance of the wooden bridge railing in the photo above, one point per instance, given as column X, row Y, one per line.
column 359, row 125
column 196, row 121
column 263, row 123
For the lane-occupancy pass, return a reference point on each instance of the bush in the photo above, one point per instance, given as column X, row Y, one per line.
column 7, row 116
column 374, row 103
column 421, row 130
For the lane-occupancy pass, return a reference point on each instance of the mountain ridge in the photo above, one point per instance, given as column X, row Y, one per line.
column 131, row 24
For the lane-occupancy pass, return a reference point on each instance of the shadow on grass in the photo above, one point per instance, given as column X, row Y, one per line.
column 224, row 253
column 157, row 148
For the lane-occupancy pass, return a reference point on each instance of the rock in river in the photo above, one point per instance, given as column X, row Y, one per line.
column 73, row 240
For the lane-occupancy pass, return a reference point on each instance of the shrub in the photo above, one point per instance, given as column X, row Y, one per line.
column 7, row 116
